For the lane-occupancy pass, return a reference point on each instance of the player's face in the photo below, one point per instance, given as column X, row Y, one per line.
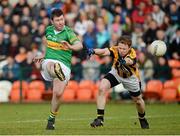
column 123, row 49
column 58, row 22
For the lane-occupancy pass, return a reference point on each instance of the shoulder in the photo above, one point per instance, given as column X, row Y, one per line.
column 68, row 29
column 132, row 53
column 113, row 49
column 50, row 27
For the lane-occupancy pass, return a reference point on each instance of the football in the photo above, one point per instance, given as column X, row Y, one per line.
column 158, row 48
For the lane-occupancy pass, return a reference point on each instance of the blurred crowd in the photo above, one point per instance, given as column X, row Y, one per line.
column 98, row 23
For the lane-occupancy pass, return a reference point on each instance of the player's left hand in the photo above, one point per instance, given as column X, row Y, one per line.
column 66, row 45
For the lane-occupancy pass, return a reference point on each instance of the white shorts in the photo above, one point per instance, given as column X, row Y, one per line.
column 131, row 83
column 47, row 76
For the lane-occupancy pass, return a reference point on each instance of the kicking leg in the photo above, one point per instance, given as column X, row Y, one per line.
column 55, row 70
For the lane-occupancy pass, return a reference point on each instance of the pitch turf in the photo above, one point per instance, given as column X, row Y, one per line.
column 74, row 119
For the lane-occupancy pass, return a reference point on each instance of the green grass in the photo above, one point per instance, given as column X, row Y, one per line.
column 74, row 119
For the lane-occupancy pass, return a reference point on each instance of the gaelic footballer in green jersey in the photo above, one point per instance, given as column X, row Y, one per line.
column 56, row 64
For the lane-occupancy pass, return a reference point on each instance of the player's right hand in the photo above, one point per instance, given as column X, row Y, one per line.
column 38, row 59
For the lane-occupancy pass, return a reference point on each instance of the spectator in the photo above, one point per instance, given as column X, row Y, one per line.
column 92, row 12
column 25, row 37
column 76, row 71
column 113, row 39
column 89, row 38
column 138, row 15
column 129, row 7
column 174, row 13
column 45, row 21
column 150, row 35
column 36, row 9
column 116, row 26
column 27, row 67
column 67, row 6
column 6, row 15
column 26, row 16
column 91, row 69
column 18, row 9
column 137, row 32
column 161, row 70
column 14, row 45
column 158, row 15
column 1, row 24
column 107, row 16
column 11, row 71
column 174, row 48
column 42, row 14
column 127, row 26
column 102, row 35
column 34, row 27
column 3, row 47
column 37, row 37
column 21, row 56
column 164, row 5
column 119, row 10
column 81, row 24
column 105, row 67
column 170, row 28
column 15, row 23
column 56, row 4
column 146, row 68
column 7, row 33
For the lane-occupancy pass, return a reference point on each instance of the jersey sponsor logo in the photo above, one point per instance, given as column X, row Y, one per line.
column 52, row 38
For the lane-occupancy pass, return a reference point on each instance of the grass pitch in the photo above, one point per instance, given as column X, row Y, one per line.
column 74, row 119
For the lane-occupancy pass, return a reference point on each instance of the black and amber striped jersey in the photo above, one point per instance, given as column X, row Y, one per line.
column 124, row 70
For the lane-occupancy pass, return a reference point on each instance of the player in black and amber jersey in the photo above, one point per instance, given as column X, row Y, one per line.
column 125, row 71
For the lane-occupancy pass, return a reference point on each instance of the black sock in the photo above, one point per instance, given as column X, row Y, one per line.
column 100, row 114
column 141, row 115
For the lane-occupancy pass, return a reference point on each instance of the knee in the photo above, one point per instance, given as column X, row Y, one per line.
column 102, row 90
column 138, row 101
column 57, row 94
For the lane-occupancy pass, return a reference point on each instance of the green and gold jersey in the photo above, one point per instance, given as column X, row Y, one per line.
column 55, row 50
column 124, row 70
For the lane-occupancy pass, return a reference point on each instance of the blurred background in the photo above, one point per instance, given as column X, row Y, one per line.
column 98, row 23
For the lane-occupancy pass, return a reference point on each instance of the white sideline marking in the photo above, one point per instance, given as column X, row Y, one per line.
column 77, row 119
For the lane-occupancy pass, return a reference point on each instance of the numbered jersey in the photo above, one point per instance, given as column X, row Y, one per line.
column 55, row 50
column 124, row 70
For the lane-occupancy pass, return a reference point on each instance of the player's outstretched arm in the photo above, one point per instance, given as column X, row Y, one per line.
column 102, row 52
column 99, row 52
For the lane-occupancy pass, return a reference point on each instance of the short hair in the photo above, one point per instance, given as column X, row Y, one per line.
column 125, row 40
column 56, row 13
